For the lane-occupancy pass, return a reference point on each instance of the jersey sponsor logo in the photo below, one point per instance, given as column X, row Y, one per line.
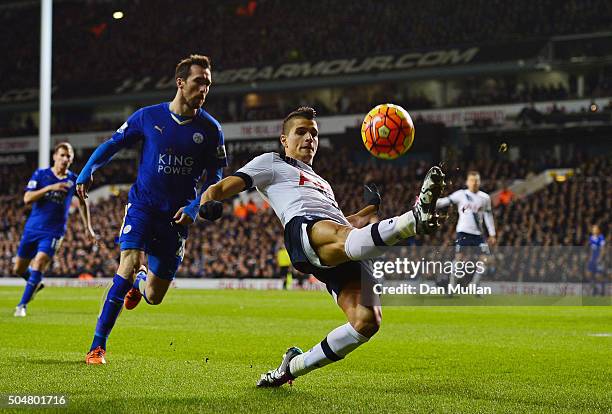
column 32, row 184
column 57, row 197
column 172, row 164
column 471, row 207
column 307, row 181
column 198, row 138
column 122, row 128
column 160, row 129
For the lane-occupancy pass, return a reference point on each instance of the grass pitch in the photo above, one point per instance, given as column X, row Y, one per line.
column 202, row 351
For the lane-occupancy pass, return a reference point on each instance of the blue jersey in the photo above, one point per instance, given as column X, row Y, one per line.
column 50, row 213
column 176, row 151
column 596, row 243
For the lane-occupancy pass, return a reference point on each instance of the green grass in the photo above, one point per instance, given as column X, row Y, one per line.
column 202, row 351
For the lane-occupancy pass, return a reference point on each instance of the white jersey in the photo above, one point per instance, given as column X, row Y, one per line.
column 291, row 187
column 474, row 208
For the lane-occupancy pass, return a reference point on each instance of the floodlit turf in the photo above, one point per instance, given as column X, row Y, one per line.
column 202, row 351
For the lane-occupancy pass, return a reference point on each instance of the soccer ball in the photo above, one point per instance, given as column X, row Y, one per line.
column 387, row 131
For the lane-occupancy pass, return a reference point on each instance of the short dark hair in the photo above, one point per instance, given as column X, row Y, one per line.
column 302, row 112
column 183, row 67
column 63, row 145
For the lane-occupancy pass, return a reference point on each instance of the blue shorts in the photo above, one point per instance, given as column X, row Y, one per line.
column 33, row 242
column 467, row 242
column 335, row 278
column 157, row 235
column 595, row 267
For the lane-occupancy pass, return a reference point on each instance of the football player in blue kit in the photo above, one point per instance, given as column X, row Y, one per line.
column 596, row 267
column 181, row 143
column 49, row 192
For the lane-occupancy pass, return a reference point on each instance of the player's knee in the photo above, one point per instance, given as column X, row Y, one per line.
column 129, row 263
column 40, row 263
column 154, row 299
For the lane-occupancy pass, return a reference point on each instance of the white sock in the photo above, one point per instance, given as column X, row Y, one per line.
column 452, row 280
column 338, row 343
column 476, row 279
column 365, row 243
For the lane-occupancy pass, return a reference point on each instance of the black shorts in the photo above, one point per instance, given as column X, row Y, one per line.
column 305, row 259
column 471, row 244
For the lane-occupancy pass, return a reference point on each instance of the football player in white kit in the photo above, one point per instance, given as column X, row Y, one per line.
column 321, row 240
column 474, row 207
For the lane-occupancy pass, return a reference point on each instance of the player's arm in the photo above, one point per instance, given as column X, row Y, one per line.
column 129, row 133
column 226, row 188
column 85, row 214
column 365, row 216
column 489, row 222
column 216, row 160
column 258, row 172
column 444, row 202
column 34, row 192
column 187, row 215
column 31, row 196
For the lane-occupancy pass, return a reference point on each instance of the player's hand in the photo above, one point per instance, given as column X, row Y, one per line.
column 211, row 210
column 182, row 218
column 62, row 186
column 492, row 240
column 83, row 188
column 93, row 237
column 371, row 195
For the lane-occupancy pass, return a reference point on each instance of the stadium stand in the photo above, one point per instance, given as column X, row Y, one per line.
column 217, row 249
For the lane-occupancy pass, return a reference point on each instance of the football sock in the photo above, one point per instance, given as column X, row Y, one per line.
column 141, row 281
column 334, row 347
column 30, row 288
column 476, row 279
column 110, row 311
column 365, row 243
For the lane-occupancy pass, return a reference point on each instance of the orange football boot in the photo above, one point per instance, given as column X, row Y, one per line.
column 96, row 356
column 132, row 299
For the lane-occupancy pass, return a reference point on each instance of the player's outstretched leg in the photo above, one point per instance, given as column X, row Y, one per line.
column 365, row 243
column 336, row 243
column 133, row 297
column 364, row 322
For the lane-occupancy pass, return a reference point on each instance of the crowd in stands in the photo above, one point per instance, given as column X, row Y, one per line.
column 244, row 243
column 247, row 33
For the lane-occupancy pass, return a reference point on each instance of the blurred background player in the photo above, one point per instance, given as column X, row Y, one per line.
column 181, row 141
column 474, row 207
column 50, row 192
column 284, row 267
column 320, row 240
column 596, row 269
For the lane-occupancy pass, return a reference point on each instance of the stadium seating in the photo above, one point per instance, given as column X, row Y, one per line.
column 220, row 249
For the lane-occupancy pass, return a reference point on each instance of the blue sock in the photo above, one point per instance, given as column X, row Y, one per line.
column 110, row 311
column 31, row 285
